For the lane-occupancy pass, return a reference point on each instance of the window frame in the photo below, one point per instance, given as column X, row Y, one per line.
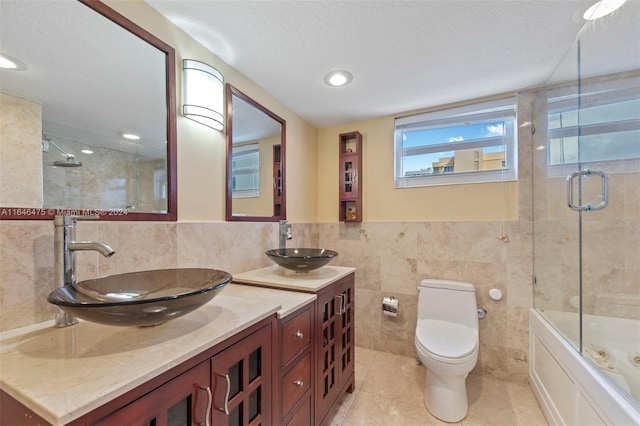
column 575, row 98
column 251, row 149
column 477, row 112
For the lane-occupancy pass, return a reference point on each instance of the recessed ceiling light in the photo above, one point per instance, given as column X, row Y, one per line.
column 9, row 63
column 130, row 136
column 338, row 78
column 602, row 8
column 87, row 151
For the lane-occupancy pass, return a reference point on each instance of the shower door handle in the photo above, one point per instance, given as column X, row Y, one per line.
column 588, row 207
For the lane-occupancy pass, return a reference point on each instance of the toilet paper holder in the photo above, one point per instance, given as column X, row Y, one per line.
column 390, row 306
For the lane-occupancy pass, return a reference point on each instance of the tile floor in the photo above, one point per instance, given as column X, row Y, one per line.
column 389, row 391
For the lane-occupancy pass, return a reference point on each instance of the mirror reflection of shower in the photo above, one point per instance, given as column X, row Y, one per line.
column 69, row 161
column 123, row 177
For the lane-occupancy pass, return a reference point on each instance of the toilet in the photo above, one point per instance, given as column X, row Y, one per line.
column 447, row 344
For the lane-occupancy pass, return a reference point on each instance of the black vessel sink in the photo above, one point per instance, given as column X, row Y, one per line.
column 301, row 259
column 140, row 298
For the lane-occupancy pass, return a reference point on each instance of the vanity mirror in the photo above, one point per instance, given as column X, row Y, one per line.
column 255, row 160
column 88, row 77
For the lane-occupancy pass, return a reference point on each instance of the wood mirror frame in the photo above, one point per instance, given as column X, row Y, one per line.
column 277, row 171
column 171, row 213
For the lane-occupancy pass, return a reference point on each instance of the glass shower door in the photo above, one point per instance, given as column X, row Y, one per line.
column 586, row 197
column 607, row 191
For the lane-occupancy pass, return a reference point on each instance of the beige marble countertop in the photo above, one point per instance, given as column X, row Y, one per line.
column 277, row 277
column 290, row 301
column 64, row 373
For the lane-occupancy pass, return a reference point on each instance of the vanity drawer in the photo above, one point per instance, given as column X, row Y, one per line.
column 296, row 383
column 296, row 335
column 302, row 416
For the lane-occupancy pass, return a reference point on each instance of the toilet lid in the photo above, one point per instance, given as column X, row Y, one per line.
column 446, row 339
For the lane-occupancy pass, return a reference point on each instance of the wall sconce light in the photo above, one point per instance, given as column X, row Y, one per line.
column 203, row 88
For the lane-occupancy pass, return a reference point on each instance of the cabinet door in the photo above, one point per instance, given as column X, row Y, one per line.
column 183, row 401
column 349, row 176
column 327, row 372
column 242, row 382
column 346, row 343
column 334, row 343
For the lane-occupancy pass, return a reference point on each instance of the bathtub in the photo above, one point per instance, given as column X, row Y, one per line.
column 569, row 388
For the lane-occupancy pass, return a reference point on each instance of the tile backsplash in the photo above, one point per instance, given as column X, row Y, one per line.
column 391, row 259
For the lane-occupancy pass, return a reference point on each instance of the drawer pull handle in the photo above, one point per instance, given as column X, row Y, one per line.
column 299, row 334
column 298, row 383
column 210, row 401
column 225, row 410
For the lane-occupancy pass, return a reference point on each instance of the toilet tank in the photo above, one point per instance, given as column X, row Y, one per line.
column 446, row 300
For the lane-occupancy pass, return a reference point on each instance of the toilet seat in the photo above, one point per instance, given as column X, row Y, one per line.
column 446, row 341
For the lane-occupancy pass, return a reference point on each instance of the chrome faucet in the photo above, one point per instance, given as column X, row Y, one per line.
column 64, row 251
column 285, row 234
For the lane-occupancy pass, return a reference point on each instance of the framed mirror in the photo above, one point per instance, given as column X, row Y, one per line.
column 256, row 186
column 90, row 77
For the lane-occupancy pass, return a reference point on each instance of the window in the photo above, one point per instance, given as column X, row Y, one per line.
column 245, row 171
column 602, row 123
column 469, row 144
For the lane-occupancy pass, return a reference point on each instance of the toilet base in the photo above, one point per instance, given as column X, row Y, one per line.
column 446, row 396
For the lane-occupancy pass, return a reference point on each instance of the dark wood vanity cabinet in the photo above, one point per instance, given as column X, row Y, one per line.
column 316, row 354
column 291, row 372
column 232, row 387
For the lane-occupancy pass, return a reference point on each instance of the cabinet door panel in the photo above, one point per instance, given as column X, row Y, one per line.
column 346, row 343
column 242, row 382
column 349, row 177
column 326, row 373
column 182, row 401
column 334, row 345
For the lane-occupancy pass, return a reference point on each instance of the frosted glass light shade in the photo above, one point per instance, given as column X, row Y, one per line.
column 203, row 88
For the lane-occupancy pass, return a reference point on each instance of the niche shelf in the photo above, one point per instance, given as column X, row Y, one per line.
column 277, row 180
column 350, row 169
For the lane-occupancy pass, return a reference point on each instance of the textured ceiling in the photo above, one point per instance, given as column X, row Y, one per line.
column 404, row 55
